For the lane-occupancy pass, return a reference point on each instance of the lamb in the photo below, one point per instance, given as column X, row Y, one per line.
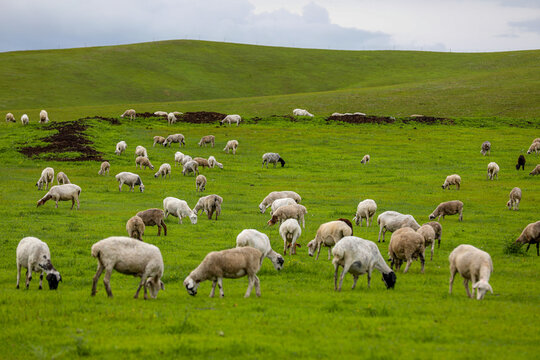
column 141, row 161
column 281, row 202
column 452, row 180
column 160, row 113
column 43, row 117
column 178, row 208
column 153, row 217
column 62, row 193
column 129, row 257
column 272, row 158
column 261, row 242
column 392, row 221
column 62, row 178
column 530, row 235
column 290, row 231
column 129, row 179
column 232, row 119
column 164, row 170
column 366, row 210
column 131, row 113
column 171, row 118
column 200, row 183
column 274, row 195
column 486, row 148
column 289, row 212
column 34, row 255
column 209, row 204
column 105, row 167
column 24, row 119
column 301, row 112
column 365, row 159
column 158, row 140
column 141, row 151
column 492, row 171
column 191, row 166
column 135, row 228
column 473, row 265
column 120, row 147
column 535, row 146
column 536, row 170
column 428, row 233
column 448, row 208
column 230, row 264
column 406, row 244
column 208, row 139
column 515, row 198
column 438, row 231
column 47, row 177
column 10, row 117
column 231, row 145
column 178, row 157
column 175, row 138
column 359, row 256
column 328, row 235
column 521, row 162
column 202, row 162
column 212, row 162
column 186, row 159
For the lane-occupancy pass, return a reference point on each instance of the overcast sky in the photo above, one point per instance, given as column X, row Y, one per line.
column 437, row 25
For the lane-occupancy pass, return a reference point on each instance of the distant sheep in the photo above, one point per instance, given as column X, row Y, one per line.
column 232, row 119
column 281, row 202
column 153, row 217
column 515, row 198
column 158, row 140
column 492, row 171
column 164, row 170
column 392, row 221
column 406, row 245
column 301, row 112
column 261, row 242
column 171, row 118
column 536, row 170
column 365, row 159
column 62, row 178
column 120, row 147
column 452, row 180
column 521, row 162
column 365, row 210
column 47, row 177
column 129, row 179
column 231, row 145
column 448, row 208
column 141, row 151
column 202, row 162
column 486, row 148
column 272, row 158
column 43, row 117
column 290, row 231
column 175, row 138
column 105, row 167
column 135, row 227
column 177, row 113
column 473, row 265
column 212, row 162
column 62, row 193
column 24, row 119
column 10, row 117
column 429, row 235
column 535, row 146
column 34, row 255
column 328, row 234
column 141, row 161
column 274, row 195
column 160, row 113
column 178, row 208
column 191, row 167
column 131, row 113
column 209, row 204
column 178, row 157
column 530, row 235
column 289, row 212
column 186, row 159
column 200, row 183
column 208, row 139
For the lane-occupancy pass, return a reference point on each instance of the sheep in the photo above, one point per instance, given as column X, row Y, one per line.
column 10, row 117
column 454, row 179
column 158, row 140
column 230, row 264
column 365, row 210
column 438, row 231
column 47, row 177
column 129, row 179
column 328, row 235
column 274, row 195
column 141, row 161
column 515, row 198
column 141, row 151
column 175, row 138
column 186, row 159
column 177, row 113
column 160, row 113
column 232, row 119
column 281, row 202
column 289, row 212
column 24, row 119
column 392, row 221
column 473, row 265
column 171, row 119
column 290, row 231
column 120, row 147
column 208, row 139
column 261, row 242
column 359, row 113
column 191, row 166
column 62, row 193
column 530, row 235
column 178, row 208
column 416, row 116
column 535, row 146
column 105, row 167
column 272, row 158
column 406, row 244
column 178, row 157
column 209, row 204
column 135, row 228
column 131, row 113
column 212, row 162
column 349, row 224
column 448, row 208
column 34, row 255
column 153, row 217
column 231, row 145
column 486, row 148
column 301, row 112
column 536, row 170
column 359, row 256
column 537, row 140
column 129, row 257
column 43, row 117
column 164, row 170
column 200, row 183
column 492, row 171
column 365, row 159
column 521, row 162
column 62, row 178
column 202, row 162
column 428, row 233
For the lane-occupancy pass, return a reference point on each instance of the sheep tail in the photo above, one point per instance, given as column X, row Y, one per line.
column 95, row 252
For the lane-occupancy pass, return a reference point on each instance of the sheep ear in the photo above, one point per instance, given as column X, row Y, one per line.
column 161, row 284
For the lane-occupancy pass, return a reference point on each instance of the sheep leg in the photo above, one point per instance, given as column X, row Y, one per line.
column 354, row 282
column 336, row 270
column 141, row 284
column 432, row 249
column 220, row 286
column 28, row 276
column 461, row 215
column 409, row 262
column 528, row 246
column 423, row 261
column 439, row 242
column 18, row 273
column 345, row 270
column 251, row 278
column 120, row 186
column 41, row 280
column 329, row 252
column 56, row 203
column 107, row 282
column 452, row 274
column 72, row 203
column 257, row 286
column 318, row 251
column 96, row 278
column 164, row 228
column 285, row 247
column 466, row 284
column 369, row 278
column 212, row 292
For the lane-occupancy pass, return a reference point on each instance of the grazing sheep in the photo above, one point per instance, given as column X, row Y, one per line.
column 229, row 264
column 200, row 183
column 208, row 139
column 135, row 227
column 232, row 119
column 290, row 231
column 62, row 178
column 160, row 113
column 131, row 113
column 10, row 117
column 231, row 145
column 289, row 212
column 120, row 147
column 473, row 265
column 521, row 162
column 129, row 179
column 158, row 140
column 272, row 158
column 537, row 140
column 141, row 161
column 359, row 256
column 261, row 242
column 274, row 195
column 24, row 119
column 366, row 210
column 301, row 112
column 178, row 208
column 105, row 167
column 486, row 148
column 62, row 193
column 281, row 202
column 47, row 177
column 177, row 113
column 535, row 146
column 178, row 157
column 448, row 208
column 202, row 162
column 129, row 257
column 349, row 224
column 153, row 217
column 34, row 255
column 175, row 138
column 365, row 159
column 392, row 221
column 438, row 231
column 164, row 170
column 416, row 116
column 171, row 118
column 406, row 244
column 536, row 170
column 515, row 198
column 212, row 162
column 328, row 235
column 530, row 235
column 209, row 204
column 428, row 233
column 492, row 171
column 191, row 166
column 43, row 117
column 452, row 180
column 186, row 159
column 141, row 151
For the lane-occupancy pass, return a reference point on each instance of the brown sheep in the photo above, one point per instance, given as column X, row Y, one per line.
column 141, row 161
column 135, row 228
column 428, row 233
column 406, row 244
column 448, row 208
column 536, row 170
column 438, row 231
column 531, row 235
column 158, row 140
column 202, row 162
column 208, row 139
column 153, row 217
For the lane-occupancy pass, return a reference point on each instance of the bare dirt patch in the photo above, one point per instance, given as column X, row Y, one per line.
column 201, row 117
column 361, row 119
column 429, row 120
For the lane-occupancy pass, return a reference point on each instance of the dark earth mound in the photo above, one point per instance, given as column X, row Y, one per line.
column 361, row 119
column 201, row 117
column 429, row 120
column 147, row 115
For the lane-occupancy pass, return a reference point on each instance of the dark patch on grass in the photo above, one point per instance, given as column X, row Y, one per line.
column 285, row 117
column 148, row 115
column 201, row 117
column 429, row 120
column 361, row 119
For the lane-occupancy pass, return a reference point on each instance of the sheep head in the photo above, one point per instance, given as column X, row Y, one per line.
column 482, row 287
column 312, row 245
column 272, row 221
column 191, row 286
column 193, row 218
column 389, row 279
column 53, row 278
column 154, row 285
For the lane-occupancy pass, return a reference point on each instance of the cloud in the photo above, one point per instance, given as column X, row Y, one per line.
column 532, row 26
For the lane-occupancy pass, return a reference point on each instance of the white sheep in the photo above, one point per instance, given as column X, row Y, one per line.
column 536, row 170
column 129, row 179
column 158, row 140
column 274, row 195
column 175, row 138
column 135, row 227
column 34, row 255
column 231, row 145
column 290, row 231
column 171, row 119
column 301, row 112
column 62, row 193
column 178, row 157
column 328, row 234
column 272, row 158
column 473, row 265
column 191, row 167
column 281, row 202
column 392, row 220
column 492, row 171
column 62, row 178
column 129, row 257
column 232, row 119
column 131, row 113
column 120, row 147
column 535, row 146
column 24, row 119
column 212, row 162
column 295, row 211
column 365, row 210
column 141, row 151
column 43, row 117
column 365, row 159
column 160, row 113
column 200, row 183
column 454, row 179
column 515, row 198
column 105, row 167
column 177, row 113
column 10, row 117
column 406, row 244
column 486, row 148
column 178, row 208
column 186, row 159
column 261, row 242
column 47, row 177
column 209, row 204
column 164, row 170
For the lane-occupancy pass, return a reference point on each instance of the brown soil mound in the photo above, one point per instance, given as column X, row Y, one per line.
column 429, row 120
column 147, row 115
column 201, row 117
column 360, row 119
